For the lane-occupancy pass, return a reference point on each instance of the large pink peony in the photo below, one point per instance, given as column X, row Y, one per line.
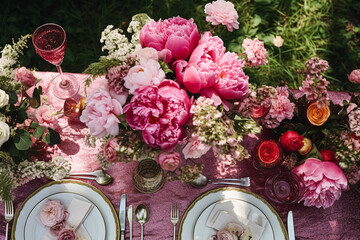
column 100, row 114
column 51, row 213
column 222, row 12
column 323, row 182
column 159, row 112
column 176, row 35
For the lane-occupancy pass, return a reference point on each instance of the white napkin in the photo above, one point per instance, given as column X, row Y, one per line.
column 234, row 211
column 78, row 211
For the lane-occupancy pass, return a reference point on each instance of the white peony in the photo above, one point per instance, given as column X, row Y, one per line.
column 4, row 133
column 4, row 98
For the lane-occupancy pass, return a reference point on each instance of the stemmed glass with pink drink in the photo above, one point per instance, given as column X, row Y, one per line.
column 50, row 43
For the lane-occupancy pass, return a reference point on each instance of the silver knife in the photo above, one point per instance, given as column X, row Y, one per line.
column 129, row 214
column 290, row 225
column 122, row 213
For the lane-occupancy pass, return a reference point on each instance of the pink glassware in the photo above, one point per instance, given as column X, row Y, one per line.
column 285, row 187
column 50, row 43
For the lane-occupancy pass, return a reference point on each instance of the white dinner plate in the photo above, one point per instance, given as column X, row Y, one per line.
column 101, row 223
column 193, row 222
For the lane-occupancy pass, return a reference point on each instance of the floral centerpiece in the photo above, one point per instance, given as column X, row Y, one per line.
column 172, row 90
column 27, row 125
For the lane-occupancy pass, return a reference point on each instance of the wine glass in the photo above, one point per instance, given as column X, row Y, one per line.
column 50, row 43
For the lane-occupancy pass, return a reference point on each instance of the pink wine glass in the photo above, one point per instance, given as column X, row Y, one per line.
column 50, row 43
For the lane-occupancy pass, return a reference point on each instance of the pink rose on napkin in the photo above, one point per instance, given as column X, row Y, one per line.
column 25, row 76
column 110, row 149
column 46, row 116
column 177, row 35
column 51, row 213
column 67, row 234
column 169, row 161
column 159, row 112
column 57, row 228
column 226, row 235
column 222, row 12
column 101, row 114
column 323, row 181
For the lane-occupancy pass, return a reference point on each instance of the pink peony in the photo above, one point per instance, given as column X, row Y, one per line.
column 51, row 213
column 255, row 52
column 232, row 83
column 222, row 12
column 201, row 70
column 159, row 112
column 100, row 114
column 226, row 235
column 354, row 76
column 25, row 76
column 110, row 150
column 67, row 234
column 169, row 161
column 147, row 73
column 46, row 116
column 323, row 182
column 195, row 148
column 178, row 35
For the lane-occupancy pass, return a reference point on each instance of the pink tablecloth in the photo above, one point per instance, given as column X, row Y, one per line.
column 341, row 221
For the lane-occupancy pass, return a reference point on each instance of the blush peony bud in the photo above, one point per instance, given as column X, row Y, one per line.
column 354, row 76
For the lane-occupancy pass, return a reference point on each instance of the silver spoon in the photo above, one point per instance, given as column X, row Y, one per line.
column 102, row 179
column 202, row 181
column 95, row 173
column 142, row 216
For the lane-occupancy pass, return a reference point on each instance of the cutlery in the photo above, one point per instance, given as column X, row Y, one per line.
column 290, row 225
column 122, row 214
column 9, row 215
column 95, row 173
column 101, row 179
column 202, row 181
column 129, row 214
column 142, row 216
column 174, row 217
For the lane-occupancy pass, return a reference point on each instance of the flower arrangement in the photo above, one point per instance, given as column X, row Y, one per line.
column 172, row 89
column 27, row 124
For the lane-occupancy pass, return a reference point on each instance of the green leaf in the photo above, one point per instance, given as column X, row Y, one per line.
column 13, row 97
column 35, row 100
column 39, row 131
column 52, row 137
column 21, row 116
column 22, row 140
column 256, row 21
column 34, row 125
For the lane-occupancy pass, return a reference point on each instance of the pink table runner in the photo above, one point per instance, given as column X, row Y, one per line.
column 341, row 221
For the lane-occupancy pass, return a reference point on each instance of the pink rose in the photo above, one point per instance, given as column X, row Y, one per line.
column 51, row 213
column 354, row 76
column 57, row 228
column 147, row 73
column 323, row 182
column 67, row 234
column 46, row 116
column 25, row 76
column 110, row 150
column 159, row 112
column 100, row 114
column 178, row 35
column 222, row 12
column 169, row 161
column 200, row 71
column 226, row 235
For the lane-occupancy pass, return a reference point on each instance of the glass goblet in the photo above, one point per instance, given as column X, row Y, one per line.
column 267, row 155
column 285, row 187
column 50, row 43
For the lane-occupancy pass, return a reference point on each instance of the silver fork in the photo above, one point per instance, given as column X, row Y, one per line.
column 174, row 216
column 9, row 215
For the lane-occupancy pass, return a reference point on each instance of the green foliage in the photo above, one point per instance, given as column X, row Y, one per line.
column 6, row 184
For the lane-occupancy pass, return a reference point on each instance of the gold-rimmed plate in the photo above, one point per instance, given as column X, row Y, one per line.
column 195, row 216
column 101, row 222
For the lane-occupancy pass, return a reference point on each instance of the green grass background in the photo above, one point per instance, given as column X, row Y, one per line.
column 329, row 29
